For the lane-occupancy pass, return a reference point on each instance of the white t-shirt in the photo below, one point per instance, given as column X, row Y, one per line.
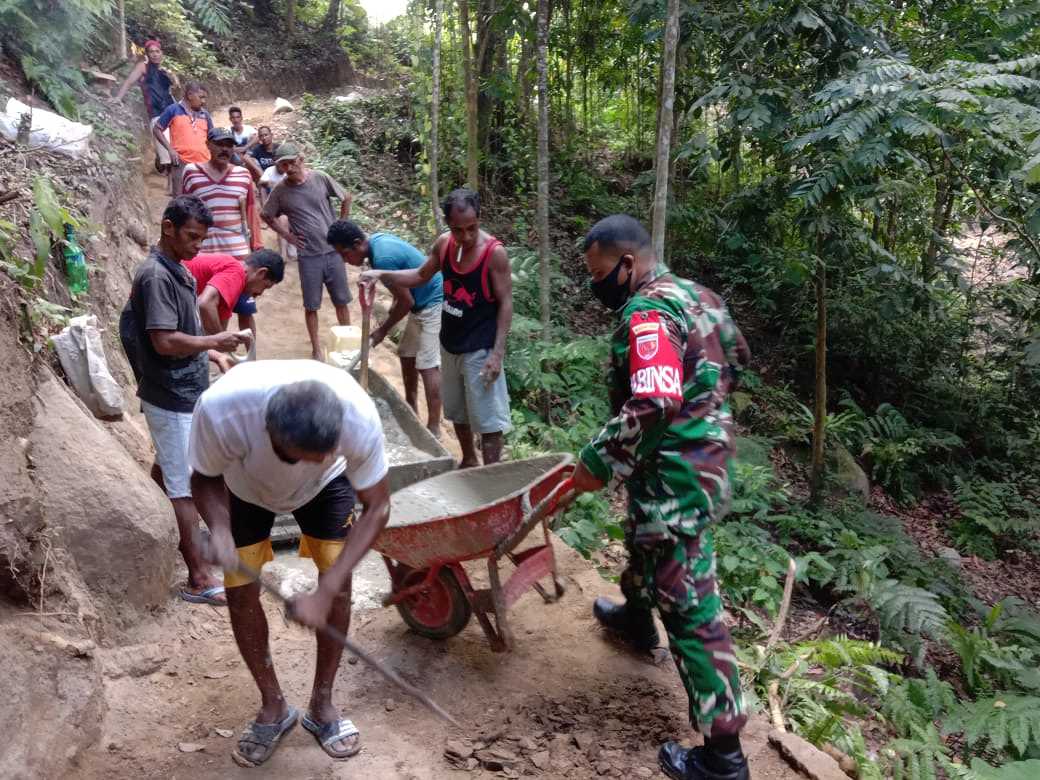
column 244, row 136
column 271, row 178
column 229, row 436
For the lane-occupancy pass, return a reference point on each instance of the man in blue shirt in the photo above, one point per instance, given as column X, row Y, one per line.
column 419, row 349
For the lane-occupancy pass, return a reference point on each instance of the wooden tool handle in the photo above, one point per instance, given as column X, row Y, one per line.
column 365, row 297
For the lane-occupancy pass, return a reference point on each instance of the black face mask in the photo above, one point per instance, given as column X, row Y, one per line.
column 609, row 291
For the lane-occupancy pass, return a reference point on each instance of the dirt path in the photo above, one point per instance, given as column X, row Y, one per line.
column 566, row 703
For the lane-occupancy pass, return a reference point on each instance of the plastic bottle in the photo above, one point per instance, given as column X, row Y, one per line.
column 75, row 263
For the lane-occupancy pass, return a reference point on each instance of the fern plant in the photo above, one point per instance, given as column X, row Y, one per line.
column 1005, row 721
column 993, row 515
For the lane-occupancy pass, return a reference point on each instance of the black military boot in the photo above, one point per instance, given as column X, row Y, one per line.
column 635, row 626
column 703, row 763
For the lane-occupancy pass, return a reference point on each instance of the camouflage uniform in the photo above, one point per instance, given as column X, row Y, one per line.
column 675, row 357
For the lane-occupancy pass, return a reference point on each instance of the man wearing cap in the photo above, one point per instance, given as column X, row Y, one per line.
column 155, row 82
column 304, row 197
column 227, row 190
column 188, row 123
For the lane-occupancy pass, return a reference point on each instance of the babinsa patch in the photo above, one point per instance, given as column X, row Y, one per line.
column 655, row 371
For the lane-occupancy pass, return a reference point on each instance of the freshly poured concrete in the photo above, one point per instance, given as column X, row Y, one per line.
column 459, row 492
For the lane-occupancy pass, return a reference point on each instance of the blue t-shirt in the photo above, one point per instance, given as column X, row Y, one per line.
column 390, row 253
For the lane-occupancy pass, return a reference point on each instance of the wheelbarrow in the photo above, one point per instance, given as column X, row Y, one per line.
column 438, row 524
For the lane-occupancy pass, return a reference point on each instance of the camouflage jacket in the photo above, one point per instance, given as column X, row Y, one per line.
column 675, row 357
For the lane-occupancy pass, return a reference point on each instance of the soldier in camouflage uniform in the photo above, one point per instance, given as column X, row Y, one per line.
column 675, row 357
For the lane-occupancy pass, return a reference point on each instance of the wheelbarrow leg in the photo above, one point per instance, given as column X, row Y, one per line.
column 482, row 606
column 498, row 602
column 558, row 585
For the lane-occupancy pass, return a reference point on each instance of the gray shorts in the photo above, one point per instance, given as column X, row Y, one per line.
column 327, row 270
column 467, row 399
column 170, row 433
column 422, row 338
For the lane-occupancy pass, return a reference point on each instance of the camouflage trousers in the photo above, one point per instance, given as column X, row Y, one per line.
column 679, row 579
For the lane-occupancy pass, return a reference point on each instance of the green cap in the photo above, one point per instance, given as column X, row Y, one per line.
column 287, row 151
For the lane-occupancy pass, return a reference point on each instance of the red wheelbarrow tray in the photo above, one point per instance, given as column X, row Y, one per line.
column 440, row 522
column 462, row 515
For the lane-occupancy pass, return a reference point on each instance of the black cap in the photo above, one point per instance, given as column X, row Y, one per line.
column 217, row 134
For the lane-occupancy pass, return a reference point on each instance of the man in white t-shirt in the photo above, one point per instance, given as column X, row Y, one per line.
column 279, row 436
column 246, row 138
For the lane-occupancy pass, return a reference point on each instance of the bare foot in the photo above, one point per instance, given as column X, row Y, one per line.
column 316, row 355
column 435, row 431
column 467, row 464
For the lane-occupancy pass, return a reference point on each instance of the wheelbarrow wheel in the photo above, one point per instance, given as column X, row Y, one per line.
column 440, row 610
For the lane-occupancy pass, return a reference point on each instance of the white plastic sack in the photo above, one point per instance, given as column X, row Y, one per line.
column 352, row 97
column 47, row 130
column 282, row 106
column 82, row 357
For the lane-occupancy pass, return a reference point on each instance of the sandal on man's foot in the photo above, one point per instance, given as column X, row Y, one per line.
column 214, row 596
column 259, row 740
column 328, row 734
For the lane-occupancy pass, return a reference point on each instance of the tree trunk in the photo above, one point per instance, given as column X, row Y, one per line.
column 472, row 172
column 435, row 115
column 890, row 228
column 817, row 470
column 568, row 78
column 941, row 210
column 121, row 21
column 332, row 15
column 664, row 126
column 290, row 18
column 543, row 164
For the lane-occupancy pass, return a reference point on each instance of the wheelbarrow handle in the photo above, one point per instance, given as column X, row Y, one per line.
column 560, row 497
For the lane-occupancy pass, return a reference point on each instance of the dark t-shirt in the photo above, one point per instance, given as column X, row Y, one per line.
column 155, row 85
column 264, row 158
column 163, row 298
column 308, row 208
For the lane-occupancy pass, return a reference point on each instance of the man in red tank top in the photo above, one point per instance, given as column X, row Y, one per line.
column 475, row 321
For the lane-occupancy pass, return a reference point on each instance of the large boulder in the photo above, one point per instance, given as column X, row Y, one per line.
column 847, row 477
column 115, row 523
column 53, row 701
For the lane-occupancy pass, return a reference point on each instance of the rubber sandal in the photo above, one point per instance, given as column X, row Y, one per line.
column 264, row 735
column 328, row 733
column 213, row 595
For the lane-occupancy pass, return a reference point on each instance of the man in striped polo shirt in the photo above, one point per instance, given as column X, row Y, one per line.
column 227, row 190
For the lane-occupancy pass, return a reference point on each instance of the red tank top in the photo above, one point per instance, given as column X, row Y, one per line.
column 470, row 319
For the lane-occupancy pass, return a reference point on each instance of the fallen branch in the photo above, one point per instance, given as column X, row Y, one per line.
column 775, row 713
column 785, row 604
column 9, row 195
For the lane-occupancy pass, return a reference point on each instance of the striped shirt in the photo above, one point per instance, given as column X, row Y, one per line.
column 222, row 197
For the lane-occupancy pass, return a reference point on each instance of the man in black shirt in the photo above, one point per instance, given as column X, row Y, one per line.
column 169, row 352
column 263, row 152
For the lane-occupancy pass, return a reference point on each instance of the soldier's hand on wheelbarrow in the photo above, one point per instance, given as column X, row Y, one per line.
column 585, row 481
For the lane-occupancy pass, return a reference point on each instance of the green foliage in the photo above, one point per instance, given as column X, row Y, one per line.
column 212, row 15
column 999, row 722
column 822, row 684
column 994, row 516
column 47, row 222
column 900, row 454
column 904, row 608
column 48, row 40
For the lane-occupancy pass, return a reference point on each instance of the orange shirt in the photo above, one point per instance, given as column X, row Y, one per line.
column 187, row 132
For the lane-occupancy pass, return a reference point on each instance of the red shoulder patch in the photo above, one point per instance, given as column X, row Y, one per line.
column 655, row 371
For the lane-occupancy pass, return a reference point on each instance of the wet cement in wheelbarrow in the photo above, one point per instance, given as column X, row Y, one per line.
column 464, row 491
column 398, row 444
